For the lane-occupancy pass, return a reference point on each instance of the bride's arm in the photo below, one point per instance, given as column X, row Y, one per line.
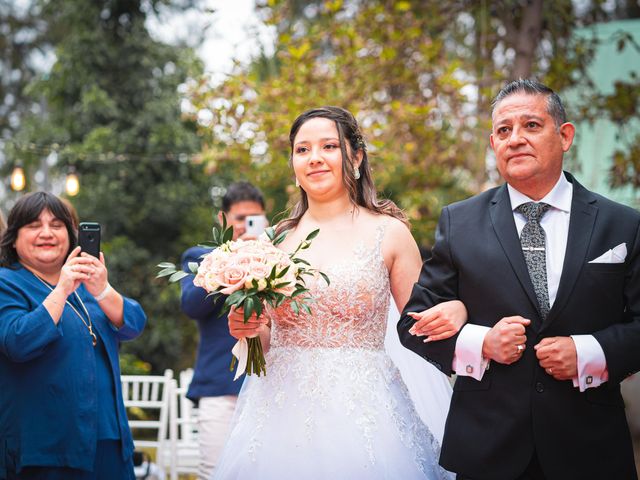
column 402, row 258
column 253, row 327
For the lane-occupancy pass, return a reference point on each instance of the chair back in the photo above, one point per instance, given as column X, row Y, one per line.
column 185, row 450
column 147, row 399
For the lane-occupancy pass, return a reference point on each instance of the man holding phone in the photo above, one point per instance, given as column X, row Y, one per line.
column 212, row 387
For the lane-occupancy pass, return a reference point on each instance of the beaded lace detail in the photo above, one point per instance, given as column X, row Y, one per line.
column 350, row 312
column 329, row 370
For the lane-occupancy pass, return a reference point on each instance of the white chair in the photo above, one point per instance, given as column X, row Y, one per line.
column 183, row 431
column 147, row 399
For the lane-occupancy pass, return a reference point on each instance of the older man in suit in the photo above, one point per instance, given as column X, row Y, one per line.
column 550, row 275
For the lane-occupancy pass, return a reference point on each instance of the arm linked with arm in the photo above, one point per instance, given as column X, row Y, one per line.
column 438, row 283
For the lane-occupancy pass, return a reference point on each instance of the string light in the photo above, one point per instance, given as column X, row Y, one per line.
column 72, row 183
column 18, row 180
column 103, row 157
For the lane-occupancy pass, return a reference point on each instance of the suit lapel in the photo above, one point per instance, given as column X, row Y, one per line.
column 505, row 227
column 581, row 222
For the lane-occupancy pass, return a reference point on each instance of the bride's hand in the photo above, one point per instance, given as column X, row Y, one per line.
column 239, row 329
column 439, row 322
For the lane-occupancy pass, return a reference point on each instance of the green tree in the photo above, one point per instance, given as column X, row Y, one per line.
column 21, row 40
column 418, row 75
column 113, row 112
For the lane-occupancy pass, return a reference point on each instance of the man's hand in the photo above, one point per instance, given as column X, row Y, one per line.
column 558, row 356
column 506, row 341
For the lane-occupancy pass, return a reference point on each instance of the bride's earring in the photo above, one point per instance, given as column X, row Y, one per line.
column 297, row 183
column 356, row 173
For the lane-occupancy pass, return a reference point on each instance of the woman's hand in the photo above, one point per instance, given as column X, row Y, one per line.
column 439, row 322
column 98, row 277
column 73, row 273
column 253, row 328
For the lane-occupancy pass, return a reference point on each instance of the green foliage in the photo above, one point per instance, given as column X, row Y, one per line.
column 419, row 76
column 131, row 365
column 113, row 106
column 404, row 89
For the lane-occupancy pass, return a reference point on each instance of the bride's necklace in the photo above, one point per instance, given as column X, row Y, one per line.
column 94, row 338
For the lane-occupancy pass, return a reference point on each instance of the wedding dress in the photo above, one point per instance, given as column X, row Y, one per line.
column 333, row 404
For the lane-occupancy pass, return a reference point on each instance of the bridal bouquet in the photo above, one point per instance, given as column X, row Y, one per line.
column 252, row 274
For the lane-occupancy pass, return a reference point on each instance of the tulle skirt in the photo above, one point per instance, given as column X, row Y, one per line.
column 328, row 413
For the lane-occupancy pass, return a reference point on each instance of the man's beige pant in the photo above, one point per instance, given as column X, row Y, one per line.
column 214, row 421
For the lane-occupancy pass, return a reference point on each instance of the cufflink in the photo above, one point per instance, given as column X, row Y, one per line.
column 589, row 379
column 469, row 369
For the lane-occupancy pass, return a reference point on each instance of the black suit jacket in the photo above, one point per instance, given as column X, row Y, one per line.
column 496, row 424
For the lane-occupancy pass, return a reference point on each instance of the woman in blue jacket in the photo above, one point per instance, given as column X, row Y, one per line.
column 61, row 409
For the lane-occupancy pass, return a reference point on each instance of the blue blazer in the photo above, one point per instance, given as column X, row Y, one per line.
column 48, row 384
column 211, row 376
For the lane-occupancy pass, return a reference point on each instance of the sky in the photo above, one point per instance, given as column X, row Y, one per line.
column 234, row 31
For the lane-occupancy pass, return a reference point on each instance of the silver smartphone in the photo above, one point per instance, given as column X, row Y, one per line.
column 255, row 224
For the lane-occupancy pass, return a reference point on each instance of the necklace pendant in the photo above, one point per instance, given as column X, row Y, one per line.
column 94, row 338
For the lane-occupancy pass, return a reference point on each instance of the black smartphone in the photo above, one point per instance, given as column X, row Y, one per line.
column 89, row 238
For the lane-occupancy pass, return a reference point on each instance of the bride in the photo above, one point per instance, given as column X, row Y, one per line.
column 333, row 404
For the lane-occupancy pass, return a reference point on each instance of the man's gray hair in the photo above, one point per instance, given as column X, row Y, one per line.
column 533, row 87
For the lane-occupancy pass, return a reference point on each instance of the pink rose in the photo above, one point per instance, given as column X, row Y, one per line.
column 232, row 278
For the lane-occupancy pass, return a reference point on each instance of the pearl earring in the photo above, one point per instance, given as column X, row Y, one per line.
column 356, row 173
column 297, row 183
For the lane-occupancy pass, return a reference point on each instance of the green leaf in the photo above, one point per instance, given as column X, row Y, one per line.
column 258, row 307
column 208, row 245
column 236, row 297
column 306, row 308
column 283, row 272
column 271, row 233
column 193, row 267
column 280, row 238
column 216, row 239
column 300, row 260
column 177, row 276
column 249, row 307
column 299, row 291
column 166, row 272
column 295, row 307
column 281, row 285
column 166, row 265
column 312, row 235
column 272, row 274
column 326, row 279
column 227, row 235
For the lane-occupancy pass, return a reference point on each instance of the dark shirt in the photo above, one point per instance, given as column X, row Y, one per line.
column 211, row 376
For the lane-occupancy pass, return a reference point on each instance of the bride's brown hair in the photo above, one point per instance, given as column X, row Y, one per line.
column 362, row 191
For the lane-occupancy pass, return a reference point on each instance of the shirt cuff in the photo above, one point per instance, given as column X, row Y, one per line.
column 592, row 364
column 467, row 357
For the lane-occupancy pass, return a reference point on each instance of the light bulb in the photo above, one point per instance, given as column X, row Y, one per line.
column 72, row 184
column 17, row 179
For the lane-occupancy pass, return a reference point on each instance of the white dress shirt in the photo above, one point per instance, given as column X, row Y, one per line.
column 592, row 365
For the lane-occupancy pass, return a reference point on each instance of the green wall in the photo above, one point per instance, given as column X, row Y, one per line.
column 595, row 143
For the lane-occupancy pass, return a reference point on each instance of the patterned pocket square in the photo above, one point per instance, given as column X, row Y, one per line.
column 615, row 255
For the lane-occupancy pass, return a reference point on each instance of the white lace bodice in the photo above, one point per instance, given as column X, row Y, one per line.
column 350, row 312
